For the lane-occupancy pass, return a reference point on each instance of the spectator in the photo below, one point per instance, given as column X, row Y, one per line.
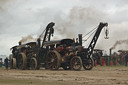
column 6, row 63
column 114, row 58
column 126, row 59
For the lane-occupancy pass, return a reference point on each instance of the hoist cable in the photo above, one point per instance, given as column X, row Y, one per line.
column 89, row 32
column 90, row 35
column 42, row 34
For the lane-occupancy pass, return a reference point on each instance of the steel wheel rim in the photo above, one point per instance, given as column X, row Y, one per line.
column 76, row 63
column 89, row 64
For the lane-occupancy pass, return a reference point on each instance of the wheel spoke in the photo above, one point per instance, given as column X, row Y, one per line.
column 76, row 63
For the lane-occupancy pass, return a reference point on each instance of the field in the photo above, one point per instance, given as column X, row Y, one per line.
column 115, row 75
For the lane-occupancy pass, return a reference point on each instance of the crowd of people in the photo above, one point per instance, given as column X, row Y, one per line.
column 114, row 59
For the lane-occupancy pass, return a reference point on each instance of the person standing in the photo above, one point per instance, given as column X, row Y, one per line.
column 126, row 59
column 6, row 63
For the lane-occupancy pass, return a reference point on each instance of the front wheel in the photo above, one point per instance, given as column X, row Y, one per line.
column 22, row 61
column 76, row 63
column 33, row 64
column 88, row 65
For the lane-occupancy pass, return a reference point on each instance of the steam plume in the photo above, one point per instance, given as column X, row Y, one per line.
column 25, row 39
column 78, row 20
column 119, row 43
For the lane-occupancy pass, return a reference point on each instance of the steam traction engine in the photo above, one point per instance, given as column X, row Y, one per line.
column 62, row 53
column 30, row 55
column 23, row 56
column 70, row 55
column 65, row 53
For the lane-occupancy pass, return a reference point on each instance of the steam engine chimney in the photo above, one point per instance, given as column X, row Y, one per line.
column 38, row 41
column 19, row 43
column 80, row 39
column 110, row 51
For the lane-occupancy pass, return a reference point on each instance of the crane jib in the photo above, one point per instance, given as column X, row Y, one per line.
column 95, row 38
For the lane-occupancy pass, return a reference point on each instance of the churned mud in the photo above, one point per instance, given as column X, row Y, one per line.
column 99, row 75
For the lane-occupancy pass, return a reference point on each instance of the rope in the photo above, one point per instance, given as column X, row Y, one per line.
column 90, row 36
column 89, row 32
column 42, row 34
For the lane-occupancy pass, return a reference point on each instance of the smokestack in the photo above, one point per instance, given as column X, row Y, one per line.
column 80, row 39
column 19, row 43
column 110, row 52
column 38, row 41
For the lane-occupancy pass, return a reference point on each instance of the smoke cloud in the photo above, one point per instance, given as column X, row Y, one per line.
column 119, row 43
column 27, row 38
column 71, row 17
column 79, row 20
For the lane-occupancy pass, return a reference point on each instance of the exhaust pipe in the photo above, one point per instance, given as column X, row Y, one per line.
column 80, row 39
column 20, row 43
column 38, row 42
column 110, row 50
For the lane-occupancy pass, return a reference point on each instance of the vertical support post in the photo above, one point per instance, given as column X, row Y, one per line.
column 110, row 52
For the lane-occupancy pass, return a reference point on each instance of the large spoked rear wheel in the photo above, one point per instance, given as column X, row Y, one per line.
column 89, row 64
column 33, row 64
column 76, row 63
column 53, row 60
column 22, row 61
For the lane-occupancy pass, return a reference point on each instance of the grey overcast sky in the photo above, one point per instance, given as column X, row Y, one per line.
column 20, row 18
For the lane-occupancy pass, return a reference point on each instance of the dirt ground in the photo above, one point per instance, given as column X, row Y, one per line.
column 115, row 75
